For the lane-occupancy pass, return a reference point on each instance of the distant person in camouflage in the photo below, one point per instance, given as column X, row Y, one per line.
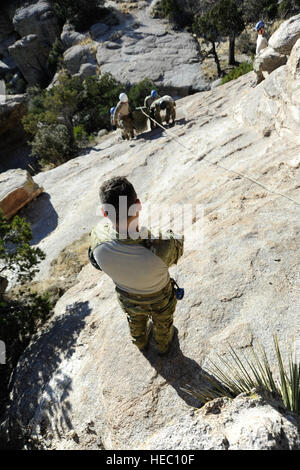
column 137, row 264
column 147, row 103
column 165, row 103
column 123, row 118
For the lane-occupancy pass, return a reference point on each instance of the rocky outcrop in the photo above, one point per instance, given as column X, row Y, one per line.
column 170, row 59
column 286, row 36
column 12, row 109
column 31, row 56
column 38, row 19
column 38, row 27
column 245, row 423
column 98, row 30
column 79, row 56
column 82, row 384
column 280, row 46
column 276, row 102
column 17, row 189
column 69, row 37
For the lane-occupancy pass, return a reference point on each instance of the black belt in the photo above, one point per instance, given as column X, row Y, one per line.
column 147, row 298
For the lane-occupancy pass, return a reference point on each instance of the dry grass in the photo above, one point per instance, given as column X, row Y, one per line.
column 89, row 42
column 127, row 7
column 273, row 27
column 64, row 271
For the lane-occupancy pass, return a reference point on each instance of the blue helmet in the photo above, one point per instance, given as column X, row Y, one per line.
column 153, row 94
column 112, row 110
column 259, row 25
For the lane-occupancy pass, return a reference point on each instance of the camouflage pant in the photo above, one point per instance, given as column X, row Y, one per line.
column 139, row 308
column 126, row 125
column 170, row 113
column 155, row 114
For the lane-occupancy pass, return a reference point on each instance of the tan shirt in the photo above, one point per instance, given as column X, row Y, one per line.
column 122, row 109
column 133, row 267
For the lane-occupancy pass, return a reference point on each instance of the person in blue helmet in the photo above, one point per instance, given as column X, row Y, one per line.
column 147, row 103
column 112, row 110
column 261, row 44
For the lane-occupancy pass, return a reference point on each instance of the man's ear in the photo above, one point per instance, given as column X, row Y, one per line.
column 139, row 205
column 104, row 213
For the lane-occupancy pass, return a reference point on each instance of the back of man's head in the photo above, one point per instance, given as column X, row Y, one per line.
column 111, row 191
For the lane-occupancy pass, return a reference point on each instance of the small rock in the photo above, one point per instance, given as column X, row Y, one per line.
column 102, row 132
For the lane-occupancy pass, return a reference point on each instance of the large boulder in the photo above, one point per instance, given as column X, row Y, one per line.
column 279, row 48
column 39, row 19
column 276, row 102
column 145, row 47
column 31, row 56
column 269, row 60
column 17, row 189
column 286, row 35
column 69, row 37
column 171, row 60
column 12, row 109
column 77, row 56
column 38, row 26
column 249, row 422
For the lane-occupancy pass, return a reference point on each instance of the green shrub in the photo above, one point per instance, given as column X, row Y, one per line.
column 255, row 10
column 51, row 144
column 20, row 318
column 16, row 254
column 285, row 7
column 62, row 117
column 137, row 93
column 55, row 58
column 80, row 135
column 242, row 69
column 22, row 314
column 171, row 10
column 96, row 99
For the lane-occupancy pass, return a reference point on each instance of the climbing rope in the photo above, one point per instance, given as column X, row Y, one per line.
column 241, row 175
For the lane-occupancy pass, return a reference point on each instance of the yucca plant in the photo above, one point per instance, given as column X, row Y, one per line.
column 239, row 375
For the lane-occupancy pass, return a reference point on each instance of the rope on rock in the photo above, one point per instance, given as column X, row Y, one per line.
column 230, row 170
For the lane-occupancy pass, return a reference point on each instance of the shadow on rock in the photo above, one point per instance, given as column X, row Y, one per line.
column 42, row 216
column 179, row 371
column 150, row 135
column 39, row 389
column 181, row 122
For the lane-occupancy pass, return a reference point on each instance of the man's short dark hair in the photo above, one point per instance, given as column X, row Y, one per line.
column 112, row 189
